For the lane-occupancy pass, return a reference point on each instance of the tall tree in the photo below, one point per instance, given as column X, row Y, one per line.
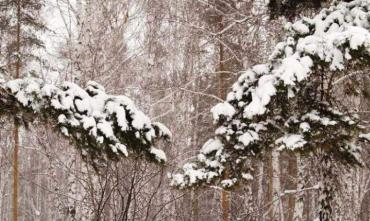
column 20, row 18
column 16, row 127
column 290, row 104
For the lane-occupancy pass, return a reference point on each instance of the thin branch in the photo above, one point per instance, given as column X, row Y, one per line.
column 231, row 25
column 203, row 94
column 347, row 76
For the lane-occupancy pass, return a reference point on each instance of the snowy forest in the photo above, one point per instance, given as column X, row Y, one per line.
column 185, row 110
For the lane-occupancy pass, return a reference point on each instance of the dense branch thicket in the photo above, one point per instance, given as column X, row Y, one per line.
column 102, row 126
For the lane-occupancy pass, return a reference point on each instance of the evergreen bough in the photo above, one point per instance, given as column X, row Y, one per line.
column 102, row 126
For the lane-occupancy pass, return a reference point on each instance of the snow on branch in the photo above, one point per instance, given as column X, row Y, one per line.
column 101, row 125
column 283, row 104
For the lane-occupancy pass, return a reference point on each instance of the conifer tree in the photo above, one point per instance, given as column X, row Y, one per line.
column 20, row 22
column 23, row 18
column 291, row 104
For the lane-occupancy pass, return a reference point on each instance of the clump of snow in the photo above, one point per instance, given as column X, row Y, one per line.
column 177, row 180
column 300, row 28
column 228, row 183
column 193, row 174
column 223, row 109
column 293, row 69
column 211, row 145
column 122, row 148
column 247, row 176
column 261, row 96
column 305, row 127
column 365, row 136
column 314, row 116
column 159, row 155
column 291, row 141
column 140, row 120
column 163, row 130
column 248, row 137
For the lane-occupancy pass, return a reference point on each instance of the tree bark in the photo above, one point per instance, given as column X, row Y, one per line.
column 277, row 206
column 292, row 185
column 16, row 127
column 225, row 205
column 270, row 192
column 15, row 172
column 299, row 203
column 194, row 205
column 260, row 192
column 225, row 195
column 326, row 189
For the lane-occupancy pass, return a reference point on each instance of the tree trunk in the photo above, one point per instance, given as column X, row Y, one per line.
column 225, row 195
column 292, row 185
column 299, row 203
column 15, row 171
column 326, row 189
column 16, row 128
column 365, row 207
column 194, row 206
column 260, row 192
column 270, row 194
column 225, row 205
column 275, row 188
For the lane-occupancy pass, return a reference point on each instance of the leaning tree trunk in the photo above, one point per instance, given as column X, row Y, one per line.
column 326, row 189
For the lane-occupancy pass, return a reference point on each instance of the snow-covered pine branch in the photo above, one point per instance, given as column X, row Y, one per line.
column 101, row 125
column 288, row 103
